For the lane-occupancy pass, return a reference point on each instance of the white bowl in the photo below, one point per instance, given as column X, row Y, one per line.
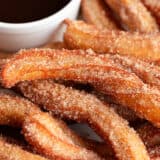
column 15, row 36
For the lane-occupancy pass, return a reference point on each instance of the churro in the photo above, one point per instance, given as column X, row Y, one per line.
column 149, row 73
column 52, row 141
column 80, row 35
column 14, row 111
column 97, row 13
column 146, row 71
column 41, row 64
column 80, row 106
column 133, row 15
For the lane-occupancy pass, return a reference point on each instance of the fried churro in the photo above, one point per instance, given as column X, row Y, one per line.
column 52, row 141
column 132, row 93
column 97, row 13
column 15, row 109
column 80, row 35
column 146, row 71
column 154, row 7
column 121, row 72
column 149, row 73
column 133, row 15
column 80, row 106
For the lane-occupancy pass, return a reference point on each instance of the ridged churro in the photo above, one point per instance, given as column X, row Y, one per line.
column 81, row 106
column 96, row 12
column 133, row 15
column 52, row 141
column 14, row 111
column 149, row 73
column 80, row 35
column 132, row 92
column 41, row 64
column 98, row 76
column 146, row 71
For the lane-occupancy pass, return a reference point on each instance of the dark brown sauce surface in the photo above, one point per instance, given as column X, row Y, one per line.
column 21, row 11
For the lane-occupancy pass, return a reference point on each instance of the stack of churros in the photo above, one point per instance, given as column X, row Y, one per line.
column 105, row 74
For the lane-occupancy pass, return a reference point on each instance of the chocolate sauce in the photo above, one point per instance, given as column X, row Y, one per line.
column 21, row 11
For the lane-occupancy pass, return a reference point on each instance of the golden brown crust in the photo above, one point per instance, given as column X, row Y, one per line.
column 133, row 15
column 80, row 35
column 154, row 8
column 15, row 109
column 97, row 13
column 42, row 64
column 52, row 142
column 81, row 106
column 132, row 92
column 148, row 72
column 54, row 57
column 13, row 152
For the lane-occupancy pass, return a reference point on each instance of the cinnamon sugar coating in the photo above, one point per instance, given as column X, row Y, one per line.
column 41, row 64
column 80, row 106
column 96, row 12
column 52, row 141
column 80, row 35
column 133, row 15
column 148, row 72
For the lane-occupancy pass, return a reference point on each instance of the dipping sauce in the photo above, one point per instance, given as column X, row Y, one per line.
column 21, row 11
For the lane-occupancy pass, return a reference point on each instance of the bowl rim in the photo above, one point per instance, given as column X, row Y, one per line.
column 5, row 25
